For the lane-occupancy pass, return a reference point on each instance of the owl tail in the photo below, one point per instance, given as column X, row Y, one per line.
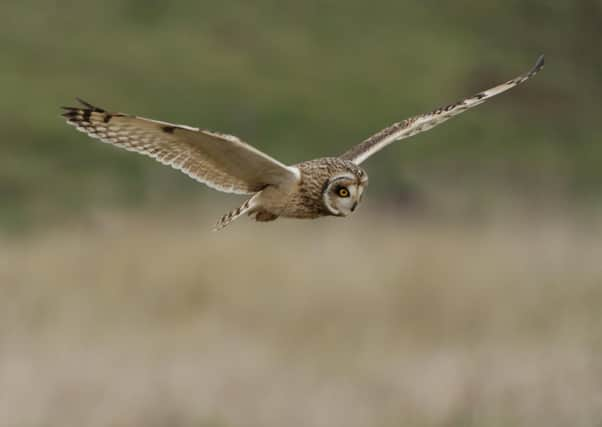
column 234, row 214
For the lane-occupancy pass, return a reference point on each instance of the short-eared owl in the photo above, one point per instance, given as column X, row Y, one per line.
column 326, row 186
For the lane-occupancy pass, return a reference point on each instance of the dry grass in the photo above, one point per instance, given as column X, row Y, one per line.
column 372, row 321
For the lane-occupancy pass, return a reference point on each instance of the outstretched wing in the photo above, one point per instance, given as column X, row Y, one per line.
column 424, row 122
column 220, row 161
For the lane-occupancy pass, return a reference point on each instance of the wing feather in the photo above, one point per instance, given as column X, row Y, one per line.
column 424, row 122
column 220, row 161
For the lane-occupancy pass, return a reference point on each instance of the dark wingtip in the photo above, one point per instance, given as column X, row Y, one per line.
column 84, row 103
column 70, row 112
column 539, row 63
column 90, row 106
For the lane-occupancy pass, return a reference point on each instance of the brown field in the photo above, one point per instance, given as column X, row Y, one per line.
column 122, row 320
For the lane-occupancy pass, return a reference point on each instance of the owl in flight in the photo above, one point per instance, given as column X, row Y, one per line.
column 326, row 186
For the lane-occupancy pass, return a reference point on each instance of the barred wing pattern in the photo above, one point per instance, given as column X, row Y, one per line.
column 424, row 122
column 220, row 161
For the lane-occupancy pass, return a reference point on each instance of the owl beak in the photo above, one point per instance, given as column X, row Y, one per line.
column 353, row 207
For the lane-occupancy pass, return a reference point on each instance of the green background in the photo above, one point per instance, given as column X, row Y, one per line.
column 301, row 80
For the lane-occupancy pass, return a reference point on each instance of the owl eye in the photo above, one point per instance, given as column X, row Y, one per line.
column 343, row 192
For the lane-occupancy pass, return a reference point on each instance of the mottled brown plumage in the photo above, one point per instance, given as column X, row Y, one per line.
column 305, row 200
column 314, row 188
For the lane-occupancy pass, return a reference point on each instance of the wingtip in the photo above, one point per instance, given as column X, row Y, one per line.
column 84, row 103
column 539, row 64
column 89, row 106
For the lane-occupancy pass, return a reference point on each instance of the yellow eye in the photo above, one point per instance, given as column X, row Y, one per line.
column 343, row 192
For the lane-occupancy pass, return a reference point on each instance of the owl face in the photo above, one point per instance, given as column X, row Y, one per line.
column 343, row 193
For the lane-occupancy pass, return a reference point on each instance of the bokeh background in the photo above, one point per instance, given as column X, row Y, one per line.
column 466, row 290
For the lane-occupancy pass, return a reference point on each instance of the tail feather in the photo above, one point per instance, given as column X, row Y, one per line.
column 234, row 214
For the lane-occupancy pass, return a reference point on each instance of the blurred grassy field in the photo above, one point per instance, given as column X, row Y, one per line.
column 300, row 81
column 148, row 320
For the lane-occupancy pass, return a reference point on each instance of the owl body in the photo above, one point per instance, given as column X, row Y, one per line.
column 311, row 196
column 329, row 186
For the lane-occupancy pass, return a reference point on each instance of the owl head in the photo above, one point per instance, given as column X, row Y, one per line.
column 343, row 192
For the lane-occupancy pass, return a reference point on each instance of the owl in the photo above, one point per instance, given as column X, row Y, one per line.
column 330, row 186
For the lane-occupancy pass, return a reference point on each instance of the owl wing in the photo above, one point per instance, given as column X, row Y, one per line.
column 424, row 122
column 220, row 161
